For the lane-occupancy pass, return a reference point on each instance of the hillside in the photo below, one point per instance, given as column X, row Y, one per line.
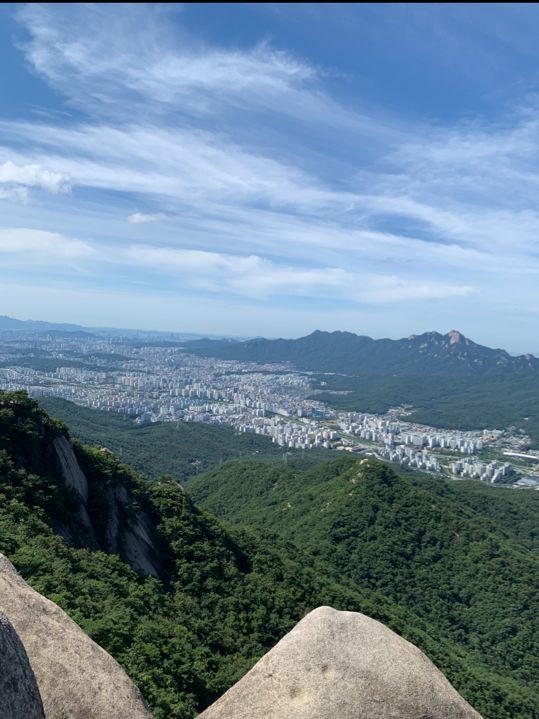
column 89, row 533
column 464, row 557
column 180, row 449
column 187, row 605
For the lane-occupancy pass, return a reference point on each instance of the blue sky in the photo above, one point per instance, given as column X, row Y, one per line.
column 272, row 169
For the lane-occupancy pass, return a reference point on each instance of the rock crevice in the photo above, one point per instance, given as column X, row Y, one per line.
column 19, row 694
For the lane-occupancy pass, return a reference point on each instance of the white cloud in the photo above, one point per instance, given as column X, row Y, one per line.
column 257, row 277
column 186, row 165
column 14, row 193
column 30, row 247
column 16, row 180
column 138, row 218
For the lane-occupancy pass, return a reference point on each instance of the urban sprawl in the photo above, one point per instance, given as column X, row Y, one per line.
column 161, row 382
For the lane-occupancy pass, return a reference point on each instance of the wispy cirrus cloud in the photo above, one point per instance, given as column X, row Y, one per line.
column 107, row 59
column 24, row 247
column 258, row 278
column 269, row 185
column 66, row 46
column 138, row 218
column 248, row 276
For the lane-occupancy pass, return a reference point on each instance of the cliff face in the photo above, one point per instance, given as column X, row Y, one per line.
column 129, row 533
column 345, row 665
column 108, row 514
column 19, row 695
column 99, row 514
column 76, row 678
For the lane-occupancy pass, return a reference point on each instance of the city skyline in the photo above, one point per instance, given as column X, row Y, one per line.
column 271, row 170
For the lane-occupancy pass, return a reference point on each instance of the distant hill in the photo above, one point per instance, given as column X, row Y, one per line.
column 8, row 323
column 447, row 380
column 155, row 338
column 430, row 353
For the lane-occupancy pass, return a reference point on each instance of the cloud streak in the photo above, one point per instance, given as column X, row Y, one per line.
column 26, row 246
column 249, row 276
column 138, row 218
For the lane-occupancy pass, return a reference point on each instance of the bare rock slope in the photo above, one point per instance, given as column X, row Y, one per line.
column 76, row 678
column 342, row 665
column 19, row 695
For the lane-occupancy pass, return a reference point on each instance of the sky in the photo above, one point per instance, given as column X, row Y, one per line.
column 272, row 169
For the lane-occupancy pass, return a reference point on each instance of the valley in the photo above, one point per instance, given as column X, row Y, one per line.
column 155, row 382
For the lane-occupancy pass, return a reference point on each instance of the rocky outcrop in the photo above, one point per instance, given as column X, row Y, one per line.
column 76, row 678
column 74, row 481
column 19, row 695
column 342, row 665
column 128, row 532
column 73, row 475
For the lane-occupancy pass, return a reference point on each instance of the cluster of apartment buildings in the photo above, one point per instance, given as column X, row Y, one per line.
column 408, row 455
column 491, row 472
column 390, row 433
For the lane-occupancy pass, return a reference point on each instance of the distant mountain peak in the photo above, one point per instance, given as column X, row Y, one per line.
column 456, row 337
column 431, row 353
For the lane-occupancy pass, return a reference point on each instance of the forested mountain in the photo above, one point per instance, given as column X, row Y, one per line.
column 430, row 353
column 217, row 600
column 465, row 557
column 187, row 604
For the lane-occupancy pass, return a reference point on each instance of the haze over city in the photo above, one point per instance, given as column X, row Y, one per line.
column 271, row 170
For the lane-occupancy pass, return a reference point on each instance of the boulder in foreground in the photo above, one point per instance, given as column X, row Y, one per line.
column 76, row 678
column 342, row 665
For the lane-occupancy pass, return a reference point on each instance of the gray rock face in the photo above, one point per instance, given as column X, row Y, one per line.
column 76, row 678
column 342, row 665
column 128, row 532
column 19, row 695
column 74, row 479
column 73, row 474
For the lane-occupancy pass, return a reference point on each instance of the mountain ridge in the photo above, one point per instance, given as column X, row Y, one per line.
column 10, row 323
column 355, row 354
